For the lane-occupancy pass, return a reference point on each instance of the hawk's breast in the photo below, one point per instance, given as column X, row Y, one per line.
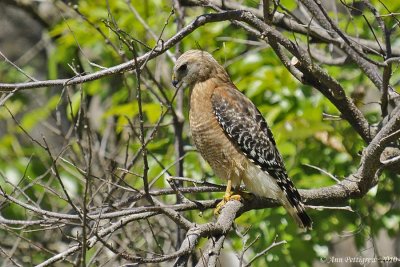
column 210, row 139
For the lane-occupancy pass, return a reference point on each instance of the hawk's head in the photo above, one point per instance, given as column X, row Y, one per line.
column 195, row 66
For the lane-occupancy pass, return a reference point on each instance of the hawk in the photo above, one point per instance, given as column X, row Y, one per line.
column 232, row 136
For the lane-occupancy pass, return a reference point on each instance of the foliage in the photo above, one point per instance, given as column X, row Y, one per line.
column 45, row 131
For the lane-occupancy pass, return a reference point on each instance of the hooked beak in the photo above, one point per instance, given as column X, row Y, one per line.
column 175, row 82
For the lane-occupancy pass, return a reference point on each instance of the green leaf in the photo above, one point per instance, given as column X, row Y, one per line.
column 31, row 119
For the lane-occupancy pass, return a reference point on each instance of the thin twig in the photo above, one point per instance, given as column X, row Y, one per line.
column 265, row 251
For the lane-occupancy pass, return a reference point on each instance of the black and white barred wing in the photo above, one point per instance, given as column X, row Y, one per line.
column 246, row 127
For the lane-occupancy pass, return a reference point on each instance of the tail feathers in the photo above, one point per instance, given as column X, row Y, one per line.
column 291, row 200
column 299, row 214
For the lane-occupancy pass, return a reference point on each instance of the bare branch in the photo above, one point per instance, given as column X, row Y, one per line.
column 265, row 251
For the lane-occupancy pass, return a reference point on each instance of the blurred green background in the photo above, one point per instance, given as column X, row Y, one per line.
column 69, row 44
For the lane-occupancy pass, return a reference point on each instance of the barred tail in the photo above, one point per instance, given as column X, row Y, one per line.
column 292, row 202
column 298, row 212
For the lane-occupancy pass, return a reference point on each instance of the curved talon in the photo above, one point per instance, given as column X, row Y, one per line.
column 217, row 209
column 228, row 196
column 225, row 200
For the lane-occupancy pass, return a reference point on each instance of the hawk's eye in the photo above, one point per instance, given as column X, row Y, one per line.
column 182, row 68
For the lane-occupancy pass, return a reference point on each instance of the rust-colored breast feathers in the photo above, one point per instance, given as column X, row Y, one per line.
column 210, row 138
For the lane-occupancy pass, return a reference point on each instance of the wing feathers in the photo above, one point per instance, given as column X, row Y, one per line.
column 247, row 128
column 245, row 125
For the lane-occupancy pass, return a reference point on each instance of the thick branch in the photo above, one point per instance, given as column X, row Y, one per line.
column 285, row 22
column 158, row 50
column 220, row 227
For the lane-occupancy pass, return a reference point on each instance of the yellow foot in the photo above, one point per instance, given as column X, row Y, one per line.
column 224, row 201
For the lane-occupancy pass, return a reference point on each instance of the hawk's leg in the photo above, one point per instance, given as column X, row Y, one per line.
column 228, row 196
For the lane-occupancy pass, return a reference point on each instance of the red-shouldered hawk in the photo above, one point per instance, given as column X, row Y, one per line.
column 232, row 135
